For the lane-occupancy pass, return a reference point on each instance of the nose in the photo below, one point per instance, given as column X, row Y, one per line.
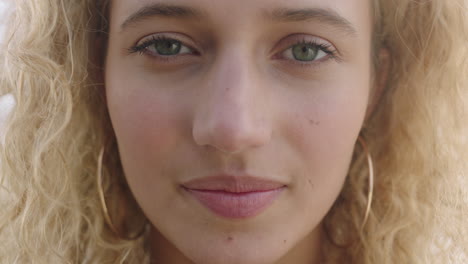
column 232, row 113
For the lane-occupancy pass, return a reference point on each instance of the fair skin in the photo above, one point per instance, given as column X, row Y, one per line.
column 238, row 98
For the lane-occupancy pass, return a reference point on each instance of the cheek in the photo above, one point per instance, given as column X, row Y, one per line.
column 141, row 121
column 147, row 125
column 322, row 127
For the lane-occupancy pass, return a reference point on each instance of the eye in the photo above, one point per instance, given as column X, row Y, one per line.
column 306, row 51
column 162, row 46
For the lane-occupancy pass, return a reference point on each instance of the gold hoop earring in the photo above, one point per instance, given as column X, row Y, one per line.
column 371, row 180
column 104, row 206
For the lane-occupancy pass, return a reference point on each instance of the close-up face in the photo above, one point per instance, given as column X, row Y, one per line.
column 207, row 97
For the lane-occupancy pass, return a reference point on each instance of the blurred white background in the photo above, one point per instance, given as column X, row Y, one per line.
column 3, row 10
column 7, row 102
column 2, row 16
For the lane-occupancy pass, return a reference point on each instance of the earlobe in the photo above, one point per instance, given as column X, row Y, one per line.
column 380, row 81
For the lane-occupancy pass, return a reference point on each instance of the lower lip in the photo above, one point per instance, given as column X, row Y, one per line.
column 236, row 205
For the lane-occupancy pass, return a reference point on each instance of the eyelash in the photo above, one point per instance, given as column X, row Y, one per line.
column 142, row 48
column 326, row 48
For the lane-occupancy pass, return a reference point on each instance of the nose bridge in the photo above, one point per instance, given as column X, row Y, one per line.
column 231, row 116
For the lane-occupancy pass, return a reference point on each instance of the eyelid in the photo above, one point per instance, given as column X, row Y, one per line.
column 289, row 41
column 182, row 38
column 177, row 36
column 293, row 38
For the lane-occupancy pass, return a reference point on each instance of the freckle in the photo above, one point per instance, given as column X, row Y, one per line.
column 312, row 122
column 230, row 239
column 284, row 241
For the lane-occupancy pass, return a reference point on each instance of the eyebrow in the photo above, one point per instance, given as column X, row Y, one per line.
column 161, row 10
column 324, row 15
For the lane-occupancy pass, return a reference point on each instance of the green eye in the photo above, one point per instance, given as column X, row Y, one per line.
column 162, row 46
column 305, row 52
column 167, row 47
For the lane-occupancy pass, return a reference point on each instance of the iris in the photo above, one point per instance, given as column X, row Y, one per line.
column 305, row 52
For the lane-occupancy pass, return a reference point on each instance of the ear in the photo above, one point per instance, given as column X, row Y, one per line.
column 379, row 81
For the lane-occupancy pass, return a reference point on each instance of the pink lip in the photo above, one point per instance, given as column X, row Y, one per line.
column 234, row 196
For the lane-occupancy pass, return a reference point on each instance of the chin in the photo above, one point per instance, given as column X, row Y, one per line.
column 234, row 256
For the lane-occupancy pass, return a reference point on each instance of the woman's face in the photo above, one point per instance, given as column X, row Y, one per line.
column 204, row 95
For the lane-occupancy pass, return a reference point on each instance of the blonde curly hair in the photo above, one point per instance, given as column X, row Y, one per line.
column 51, row 62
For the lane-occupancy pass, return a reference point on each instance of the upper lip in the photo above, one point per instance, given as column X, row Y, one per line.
column 235, row 184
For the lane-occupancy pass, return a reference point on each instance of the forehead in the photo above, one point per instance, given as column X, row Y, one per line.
column 228, row 13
